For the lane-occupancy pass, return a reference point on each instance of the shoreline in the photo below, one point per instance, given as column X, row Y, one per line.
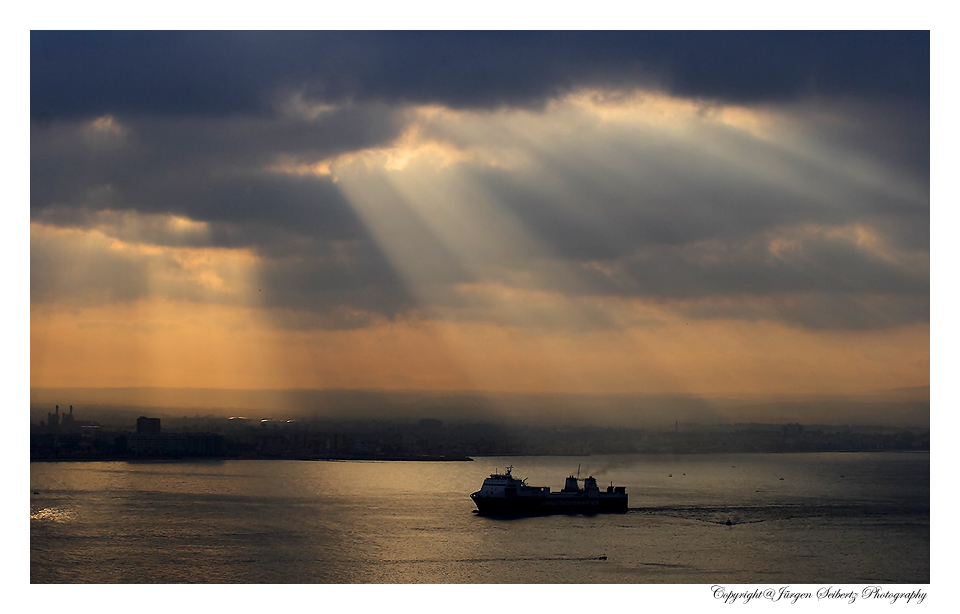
column 192, row 459
column 427, row 458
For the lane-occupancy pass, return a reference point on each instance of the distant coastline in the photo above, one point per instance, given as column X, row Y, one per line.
column 392, row 459
column 71, row 435
column 193, row 459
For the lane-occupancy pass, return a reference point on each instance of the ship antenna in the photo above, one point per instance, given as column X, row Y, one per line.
column 578, row 471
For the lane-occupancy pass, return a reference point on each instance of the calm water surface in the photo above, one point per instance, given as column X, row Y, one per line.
column 832, row 518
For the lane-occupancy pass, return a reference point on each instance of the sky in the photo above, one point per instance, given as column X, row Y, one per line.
column 710, row 213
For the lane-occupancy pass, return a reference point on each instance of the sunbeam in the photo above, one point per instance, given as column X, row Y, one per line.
column 574, row 232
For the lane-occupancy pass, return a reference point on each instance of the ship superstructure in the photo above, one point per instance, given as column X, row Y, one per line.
column 504, row 495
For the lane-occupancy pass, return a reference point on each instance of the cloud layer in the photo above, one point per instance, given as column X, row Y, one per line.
column 552, row 182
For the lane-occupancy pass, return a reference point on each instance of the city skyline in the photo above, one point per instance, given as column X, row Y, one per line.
column 528, row 213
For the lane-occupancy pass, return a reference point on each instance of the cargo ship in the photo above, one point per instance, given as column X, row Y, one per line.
column 504, row 495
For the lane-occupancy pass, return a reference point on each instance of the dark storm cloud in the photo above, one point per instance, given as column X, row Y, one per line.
column 206, row 169
column 223, row 73
column 124, row 177
column 895, row 134
column 251, row 211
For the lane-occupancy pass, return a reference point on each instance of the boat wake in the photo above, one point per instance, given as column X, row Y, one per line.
column 738, row 514
column 601, row 557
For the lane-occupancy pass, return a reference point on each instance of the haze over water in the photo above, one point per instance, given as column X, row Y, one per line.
column 833, row 518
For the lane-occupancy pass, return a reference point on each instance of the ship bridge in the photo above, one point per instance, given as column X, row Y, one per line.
column 590, row 487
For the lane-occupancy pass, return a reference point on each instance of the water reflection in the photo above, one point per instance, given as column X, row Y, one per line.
column 53, row 514
column 380, row 522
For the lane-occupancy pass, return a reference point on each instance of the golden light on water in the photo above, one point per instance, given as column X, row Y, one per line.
column 52, row 514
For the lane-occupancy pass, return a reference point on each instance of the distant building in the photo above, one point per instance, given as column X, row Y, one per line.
column 63, row 423
column 62, row 436
column 149, row 441
column 53, row 420
column 67, row 418
column 148, row 425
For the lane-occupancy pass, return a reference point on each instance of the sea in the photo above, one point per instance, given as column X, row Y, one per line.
column 823, row 519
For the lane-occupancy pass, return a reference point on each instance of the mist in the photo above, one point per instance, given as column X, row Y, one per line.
column 895, row 407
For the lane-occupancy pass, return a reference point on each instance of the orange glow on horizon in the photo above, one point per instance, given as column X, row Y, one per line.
column 168, row 344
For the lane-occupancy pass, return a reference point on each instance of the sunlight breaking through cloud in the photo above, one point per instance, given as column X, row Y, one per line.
column 603, row 218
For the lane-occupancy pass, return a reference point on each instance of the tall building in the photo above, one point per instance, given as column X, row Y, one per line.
column 148, row 425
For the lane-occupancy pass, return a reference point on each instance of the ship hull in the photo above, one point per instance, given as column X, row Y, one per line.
column 539, row 506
